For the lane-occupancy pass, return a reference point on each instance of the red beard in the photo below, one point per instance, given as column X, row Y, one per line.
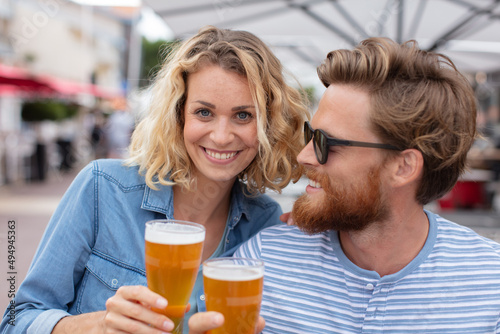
column 346, row 207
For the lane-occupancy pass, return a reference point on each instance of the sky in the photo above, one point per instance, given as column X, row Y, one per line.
column 151, row 25
column 120, row 3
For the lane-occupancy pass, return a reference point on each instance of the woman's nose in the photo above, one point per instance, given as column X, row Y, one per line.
column 222, row 133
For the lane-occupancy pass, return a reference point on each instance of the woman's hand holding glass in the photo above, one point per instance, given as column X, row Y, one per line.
column 173, row 251
column 129, row 311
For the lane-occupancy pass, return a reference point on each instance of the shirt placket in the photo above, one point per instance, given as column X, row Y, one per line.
column 375, row 310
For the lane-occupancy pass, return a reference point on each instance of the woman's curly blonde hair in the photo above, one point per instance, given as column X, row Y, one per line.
column 157, row 143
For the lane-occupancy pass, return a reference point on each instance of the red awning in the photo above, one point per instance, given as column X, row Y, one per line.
column 68, row 87
column 14, row 80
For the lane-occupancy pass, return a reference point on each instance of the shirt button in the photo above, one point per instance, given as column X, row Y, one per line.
column 369, row 286
column 114, row 282
column 227, row 241
column 202, row 297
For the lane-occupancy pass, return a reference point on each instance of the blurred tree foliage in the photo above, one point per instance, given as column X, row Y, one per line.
column 48, row 110
column 309, row 94
column 153, row 55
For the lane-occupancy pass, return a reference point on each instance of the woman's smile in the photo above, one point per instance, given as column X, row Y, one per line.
column 218, row 155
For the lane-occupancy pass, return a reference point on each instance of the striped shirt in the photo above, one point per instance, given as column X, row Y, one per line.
column 311, row 287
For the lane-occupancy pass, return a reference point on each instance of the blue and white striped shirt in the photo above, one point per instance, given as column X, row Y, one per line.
column 311, row 287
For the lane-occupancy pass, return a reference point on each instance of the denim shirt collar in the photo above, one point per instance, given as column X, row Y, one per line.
column 162, row 201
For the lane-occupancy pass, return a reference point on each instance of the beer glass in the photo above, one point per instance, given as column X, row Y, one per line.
column 173, row 255
column 233, row 287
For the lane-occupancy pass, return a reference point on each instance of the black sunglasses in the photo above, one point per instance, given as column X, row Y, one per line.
column 322, row 143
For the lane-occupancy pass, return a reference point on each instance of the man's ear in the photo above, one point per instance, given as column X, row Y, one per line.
column 408, row 166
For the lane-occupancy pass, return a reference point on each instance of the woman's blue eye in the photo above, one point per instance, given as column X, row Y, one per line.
column 203, row 112
column 244, row 115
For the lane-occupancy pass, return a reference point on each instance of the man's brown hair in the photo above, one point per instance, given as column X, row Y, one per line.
column 418, row 100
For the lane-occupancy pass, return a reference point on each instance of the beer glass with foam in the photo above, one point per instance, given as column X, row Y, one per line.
column 173, row 255
column 233, row 287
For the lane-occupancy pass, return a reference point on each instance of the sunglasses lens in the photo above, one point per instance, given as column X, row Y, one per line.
column 320, row 147
column 307, row 133
column 319, row 142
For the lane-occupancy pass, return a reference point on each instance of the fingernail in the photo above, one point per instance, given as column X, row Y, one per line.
column 161, row 303
column 289, row 221
column 217, row 319
column 168, row 325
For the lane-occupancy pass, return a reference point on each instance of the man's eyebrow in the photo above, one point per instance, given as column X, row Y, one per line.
column 328, row 134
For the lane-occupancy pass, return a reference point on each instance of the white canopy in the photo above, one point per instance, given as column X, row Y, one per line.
column 302, row 32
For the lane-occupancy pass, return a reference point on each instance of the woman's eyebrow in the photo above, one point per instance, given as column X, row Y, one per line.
column 207, row 104
column 238, row 108
column 242, row 108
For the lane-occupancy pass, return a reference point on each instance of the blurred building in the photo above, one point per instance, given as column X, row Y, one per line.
column 59, row 50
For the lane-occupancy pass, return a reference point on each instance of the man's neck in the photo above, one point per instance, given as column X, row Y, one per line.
column 387, row 247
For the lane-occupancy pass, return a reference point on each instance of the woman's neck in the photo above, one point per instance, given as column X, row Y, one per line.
column 206, row 205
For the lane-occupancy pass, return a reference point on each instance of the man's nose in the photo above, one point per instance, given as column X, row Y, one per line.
column 307, row 156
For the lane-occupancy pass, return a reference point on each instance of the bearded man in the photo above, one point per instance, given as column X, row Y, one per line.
column 391, row 134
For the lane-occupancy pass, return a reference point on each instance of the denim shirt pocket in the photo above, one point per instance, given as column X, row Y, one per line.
column 102, row 277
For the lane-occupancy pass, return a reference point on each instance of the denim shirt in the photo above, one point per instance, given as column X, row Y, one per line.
column 94, row 243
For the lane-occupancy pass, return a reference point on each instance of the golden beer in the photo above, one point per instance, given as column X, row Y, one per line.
column 173, row 255
column 233, row 287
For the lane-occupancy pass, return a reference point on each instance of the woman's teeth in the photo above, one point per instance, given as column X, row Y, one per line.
column 220, row 156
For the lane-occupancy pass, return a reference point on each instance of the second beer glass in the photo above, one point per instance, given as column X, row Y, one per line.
column 233, row 287
column 173, row 255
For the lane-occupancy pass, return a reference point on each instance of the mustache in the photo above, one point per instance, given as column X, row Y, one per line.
column 321, row 178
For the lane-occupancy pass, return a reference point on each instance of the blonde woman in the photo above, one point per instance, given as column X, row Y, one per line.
column 223, row 126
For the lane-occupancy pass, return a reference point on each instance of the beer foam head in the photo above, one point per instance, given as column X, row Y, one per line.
column 231, row 271
column 174, row 234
